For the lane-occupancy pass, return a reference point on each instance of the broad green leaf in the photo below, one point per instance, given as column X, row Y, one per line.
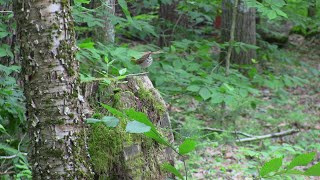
column 124, row 6
column 243, row 92
column 187, row 146
column 86, row 78
column 281, row 13
column 169, row 168
column 271, row 166
column 313, row 170
column 294, row 171
column 86, row 45
column 140, row 117
column 193, row 88
column 302, row 160
column 122, row 71
column 2, row 129
column 4, row 34
column 205, row 93
column 216, row 97
column 135, row 54
column 172, row 49
column 113, row 111
column 272, row 14
column 228, row 87
column 109, row 121
column 137, row 127
column 157, row 137
column 5, row 50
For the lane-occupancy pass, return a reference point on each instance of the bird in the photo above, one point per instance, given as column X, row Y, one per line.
column 146, row 59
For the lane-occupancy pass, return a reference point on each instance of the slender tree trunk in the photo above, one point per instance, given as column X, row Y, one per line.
column 106, row 34
column 312, row 9
column 245, row 30
column 170, row 18
column 55, row 107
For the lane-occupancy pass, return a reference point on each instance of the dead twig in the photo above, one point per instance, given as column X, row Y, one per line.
column 225, row 131
column 273, row 135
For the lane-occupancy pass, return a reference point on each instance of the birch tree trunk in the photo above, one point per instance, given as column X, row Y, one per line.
column 55, row 107
column 245, row 30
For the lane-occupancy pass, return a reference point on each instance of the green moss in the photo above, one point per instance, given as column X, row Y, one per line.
column 54, row 152
column 59, row 122
column 81, row 156
column 147, row 96
column 105, row 147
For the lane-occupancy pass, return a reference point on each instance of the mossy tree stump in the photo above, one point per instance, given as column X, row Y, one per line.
column 120, row 155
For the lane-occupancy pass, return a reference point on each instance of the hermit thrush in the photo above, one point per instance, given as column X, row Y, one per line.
column 146, row 60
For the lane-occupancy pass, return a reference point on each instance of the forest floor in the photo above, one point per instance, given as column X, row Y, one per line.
column 295, row 108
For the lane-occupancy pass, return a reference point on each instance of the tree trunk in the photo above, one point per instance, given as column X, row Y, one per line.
column 119, row 155
column 245, row 30
column 312, row 8
column 106, row 34
column 170, row 18
column 55, row 108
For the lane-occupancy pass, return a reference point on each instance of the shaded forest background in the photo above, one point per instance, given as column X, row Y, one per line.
column 222, row 102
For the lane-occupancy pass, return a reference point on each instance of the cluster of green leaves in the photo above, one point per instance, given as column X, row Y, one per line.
column 5, row 31
column 269, row 8
column 11, row 100
column 273, row 167
column 14, row 163
column 18, row 159
column 297, row 11
column 12, row 123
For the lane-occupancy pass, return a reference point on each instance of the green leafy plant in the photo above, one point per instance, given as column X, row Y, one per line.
column 139, row 123
column 273, row 167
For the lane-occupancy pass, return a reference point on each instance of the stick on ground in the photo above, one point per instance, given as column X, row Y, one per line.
column 273, row 135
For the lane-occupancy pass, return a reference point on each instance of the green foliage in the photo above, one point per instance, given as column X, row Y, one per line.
column 137, row 127
column 169, row 168
column 109, row 121
column 190, row 77
column 273, row 166
column 11, row 100
column 269, row 8
column 187, row 146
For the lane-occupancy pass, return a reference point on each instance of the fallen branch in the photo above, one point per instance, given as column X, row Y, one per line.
column 225, row 131
column 273, row 135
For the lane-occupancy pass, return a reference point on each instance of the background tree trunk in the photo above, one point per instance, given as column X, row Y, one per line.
column 106, row 34
column 312, row 9
column 170, row 18
column 55, row 108
column 245, row 30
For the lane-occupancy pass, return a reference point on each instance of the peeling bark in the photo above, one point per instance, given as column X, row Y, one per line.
column 55, row 107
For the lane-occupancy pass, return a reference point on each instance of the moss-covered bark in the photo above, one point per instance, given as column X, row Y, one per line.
column 55, row 107
column 119, row 155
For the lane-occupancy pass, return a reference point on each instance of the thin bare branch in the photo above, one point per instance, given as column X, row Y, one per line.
column 273, row 135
